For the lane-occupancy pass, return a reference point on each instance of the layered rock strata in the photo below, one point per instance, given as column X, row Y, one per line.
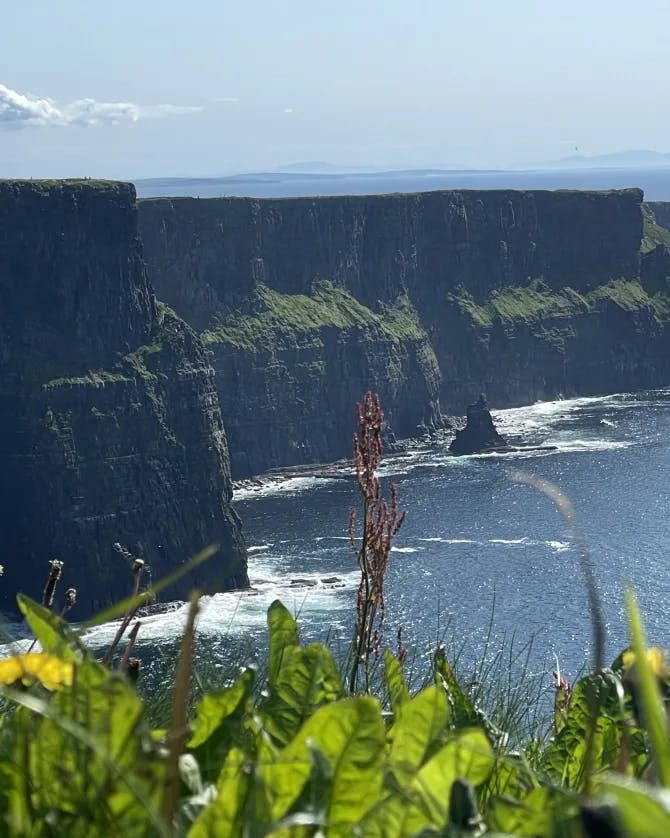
column 110, row 427
column 430, row 298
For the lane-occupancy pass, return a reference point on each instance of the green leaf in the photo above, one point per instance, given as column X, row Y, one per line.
column 419, row 723
column 565, row 758
column 283, row 635
column 534, row 813
column 463, row 711
column 226, row 816
column 395, row 681
column 53, row 634
column 218, row 723
column 423, row 804
column 650, row 700
column 645, row 810
column 215, row 707
column 86, row 756
column 307, row 679
column 349, row 734
column 469, row 756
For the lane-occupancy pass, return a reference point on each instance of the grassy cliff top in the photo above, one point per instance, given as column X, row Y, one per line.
column 109, row 188
column 633, row 193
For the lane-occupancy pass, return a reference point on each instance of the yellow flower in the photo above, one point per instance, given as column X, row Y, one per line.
column 49, row 670
column 657, row 659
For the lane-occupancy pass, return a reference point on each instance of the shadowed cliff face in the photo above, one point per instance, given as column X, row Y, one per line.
column 110, row 429
column 207, row 256
column 522, row 295
column 661, row 210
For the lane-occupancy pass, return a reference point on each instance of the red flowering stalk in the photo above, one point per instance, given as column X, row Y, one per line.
column 381, row 521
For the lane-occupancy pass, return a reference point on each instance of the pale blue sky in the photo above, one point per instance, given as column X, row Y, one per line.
column 481, row 83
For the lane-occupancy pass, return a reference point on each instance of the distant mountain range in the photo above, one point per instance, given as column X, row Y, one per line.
column 630, row 158
column 634, row 158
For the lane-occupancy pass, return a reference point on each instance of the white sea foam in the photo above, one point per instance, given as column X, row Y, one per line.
column 289, row 486
column 405, row 549
column 542, row 415
column 257, row 548
column 558, row 546
column 575, row 446
column 440, row 540
column 510, row 541
column 237, row 612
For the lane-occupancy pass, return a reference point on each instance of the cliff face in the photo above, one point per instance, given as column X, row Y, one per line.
column 522, row 295
column 207, row 256
column 290, row 370
column 110, row 429
column 661, row 211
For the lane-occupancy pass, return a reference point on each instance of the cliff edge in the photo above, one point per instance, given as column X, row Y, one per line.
column 110, row 428
column 431, row 299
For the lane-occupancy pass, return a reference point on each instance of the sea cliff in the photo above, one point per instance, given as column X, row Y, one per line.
column 110, row 427
column 430, row 298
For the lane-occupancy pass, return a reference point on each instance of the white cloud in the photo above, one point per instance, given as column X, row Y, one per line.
column 227, row 100
column 288, row 110
column 18, row 110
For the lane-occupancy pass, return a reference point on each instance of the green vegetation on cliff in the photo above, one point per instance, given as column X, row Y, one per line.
column 166, row 328
column 653, row 234
column 537, row 302
column 292, row 318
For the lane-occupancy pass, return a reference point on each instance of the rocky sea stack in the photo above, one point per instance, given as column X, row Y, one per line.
column 479, row 434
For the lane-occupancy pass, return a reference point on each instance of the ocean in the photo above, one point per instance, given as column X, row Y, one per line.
column 654, row 182
column 481, row 562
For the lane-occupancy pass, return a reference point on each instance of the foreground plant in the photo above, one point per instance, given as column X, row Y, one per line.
column 294, row 752
column 380, row 522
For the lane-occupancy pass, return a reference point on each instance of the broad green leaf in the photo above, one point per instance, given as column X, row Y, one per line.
column 283, row 635
column 219, row 723
column 349, row 734
column 645, row 810
column 534, row 813
column 650, row 700
column 307, row 679
column 512, row 777
column 226, row 816
column 394, row 817
column 53, row 634
column 423, row 804
column 565, row 758
column 215, row 707
column 419, row 723
column 395, row 681
column 469, row 755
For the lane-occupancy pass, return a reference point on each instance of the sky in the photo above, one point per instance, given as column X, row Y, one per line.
column 213, row 87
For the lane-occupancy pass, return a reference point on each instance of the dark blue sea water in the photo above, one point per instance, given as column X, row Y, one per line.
column 478, row 553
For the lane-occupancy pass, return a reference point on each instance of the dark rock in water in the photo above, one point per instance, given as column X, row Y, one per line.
column 110, row 426
column 479, row 433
